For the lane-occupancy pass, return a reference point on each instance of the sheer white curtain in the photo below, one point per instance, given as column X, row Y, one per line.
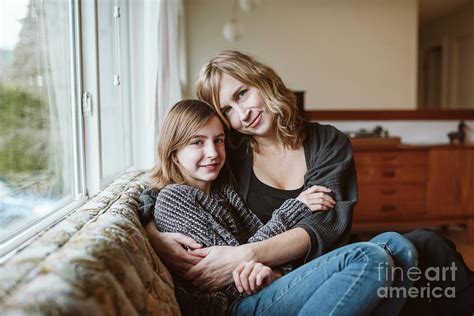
column 171, row 57
column 55, row 77
column 158, row 70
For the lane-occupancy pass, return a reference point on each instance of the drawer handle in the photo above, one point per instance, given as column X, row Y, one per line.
column 387, row 208
column 388, row 192
column 388, row 173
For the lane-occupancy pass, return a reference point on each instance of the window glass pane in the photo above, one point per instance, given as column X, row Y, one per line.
column 36, row 136
column 114, row 88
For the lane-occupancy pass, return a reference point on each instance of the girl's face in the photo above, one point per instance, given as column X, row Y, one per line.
column 244, row 108
column 204, row 155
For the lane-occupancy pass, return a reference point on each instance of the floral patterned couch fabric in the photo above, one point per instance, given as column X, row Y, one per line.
column 97, row 261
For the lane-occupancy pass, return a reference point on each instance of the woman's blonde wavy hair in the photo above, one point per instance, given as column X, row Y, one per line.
column 280, row 100
column 183, row 120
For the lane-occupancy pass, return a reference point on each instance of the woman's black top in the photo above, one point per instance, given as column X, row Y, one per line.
column 263, row 199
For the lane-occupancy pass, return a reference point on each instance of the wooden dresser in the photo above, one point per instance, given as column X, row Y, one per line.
column 401, row 185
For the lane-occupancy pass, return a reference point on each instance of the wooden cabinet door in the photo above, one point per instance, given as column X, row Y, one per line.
column 450, row 184
column 392, row 184
column 468, row 193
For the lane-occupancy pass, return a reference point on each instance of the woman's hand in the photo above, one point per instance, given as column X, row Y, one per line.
column 171, row 248
column 316, row 198
column 251, row 276
column 214, row 272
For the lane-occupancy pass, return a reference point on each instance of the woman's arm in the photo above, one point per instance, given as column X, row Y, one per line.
column 172, row 249
column 332, row 166
column 215, row 270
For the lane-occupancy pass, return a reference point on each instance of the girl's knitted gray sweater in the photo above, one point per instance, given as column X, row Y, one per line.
column 220, row 218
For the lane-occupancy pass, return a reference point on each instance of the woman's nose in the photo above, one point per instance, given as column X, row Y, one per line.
column 244, row 113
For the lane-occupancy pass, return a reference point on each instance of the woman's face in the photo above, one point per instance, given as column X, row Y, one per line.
column 203, row 156
column 244, row 108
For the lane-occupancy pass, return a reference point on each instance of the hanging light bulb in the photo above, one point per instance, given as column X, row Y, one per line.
column 248, row 5
column 233, row 31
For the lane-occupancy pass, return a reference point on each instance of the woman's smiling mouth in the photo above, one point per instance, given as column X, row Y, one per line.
column 256, row 121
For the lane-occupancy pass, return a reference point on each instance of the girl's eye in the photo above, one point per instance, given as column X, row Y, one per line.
column 197, row 142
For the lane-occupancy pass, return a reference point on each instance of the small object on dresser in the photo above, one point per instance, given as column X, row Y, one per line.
column 378, row 131
column 459, row 136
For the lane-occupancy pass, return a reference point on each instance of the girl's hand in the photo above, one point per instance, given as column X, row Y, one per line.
column 172, row 249
column 317, row 199
column 251, row 276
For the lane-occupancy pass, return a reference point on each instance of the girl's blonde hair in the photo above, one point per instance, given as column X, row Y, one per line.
column 183, row 120
column 280, row 100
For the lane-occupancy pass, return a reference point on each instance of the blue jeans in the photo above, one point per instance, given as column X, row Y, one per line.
column 344, row 281
column 404, row 256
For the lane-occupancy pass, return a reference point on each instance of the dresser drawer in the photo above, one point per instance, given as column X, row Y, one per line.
column 391, row 174
column 395, row 201
column 390, row 158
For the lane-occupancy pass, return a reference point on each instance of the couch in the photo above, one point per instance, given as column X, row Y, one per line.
column 96, row 261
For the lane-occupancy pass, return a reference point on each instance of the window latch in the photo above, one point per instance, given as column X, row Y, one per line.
column 86, row 103
column 116, row 12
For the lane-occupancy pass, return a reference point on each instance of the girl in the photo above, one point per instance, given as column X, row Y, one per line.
column 197, row 200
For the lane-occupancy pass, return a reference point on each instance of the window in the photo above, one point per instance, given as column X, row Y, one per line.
column 38, row 112
column 54, row 151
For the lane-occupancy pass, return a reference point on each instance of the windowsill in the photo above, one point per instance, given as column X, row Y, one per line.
column 21, row 239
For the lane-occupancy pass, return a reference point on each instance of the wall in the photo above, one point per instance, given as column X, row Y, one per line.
column 344, row 53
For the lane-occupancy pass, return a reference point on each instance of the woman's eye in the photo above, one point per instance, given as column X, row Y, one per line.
column 226, row 111
column 219, row 141
column 242, row 93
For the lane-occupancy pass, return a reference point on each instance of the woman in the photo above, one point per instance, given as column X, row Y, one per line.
column 278, row 157
column 197, row 199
